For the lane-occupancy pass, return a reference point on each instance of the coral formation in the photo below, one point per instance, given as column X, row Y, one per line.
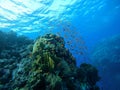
column 87, row 74
column 51, row 61
column 50, row 66
column 13, row 49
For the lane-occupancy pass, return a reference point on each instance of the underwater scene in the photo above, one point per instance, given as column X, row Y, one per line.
column 59, row 44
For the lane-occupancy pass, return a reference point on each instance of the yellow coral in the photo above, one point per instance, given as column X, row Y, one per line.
column 48, row 61
column 51, row 63
column 35, row 47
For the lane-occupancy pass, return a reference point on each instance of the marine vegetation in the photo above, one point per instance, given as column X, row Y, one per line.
column 106, row 56
column 87, row 74
column 13, row 49
column 50, row 66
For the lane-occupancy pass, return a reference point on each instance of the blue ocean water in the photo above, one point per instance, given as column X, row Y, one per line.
column 91, row 20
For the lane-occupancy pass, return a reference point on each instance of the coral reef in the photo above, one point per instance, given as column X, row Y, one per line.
column 48, row 66
column 87, row 74
column 12, row 44
column 52, row 62
column 13, row 49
